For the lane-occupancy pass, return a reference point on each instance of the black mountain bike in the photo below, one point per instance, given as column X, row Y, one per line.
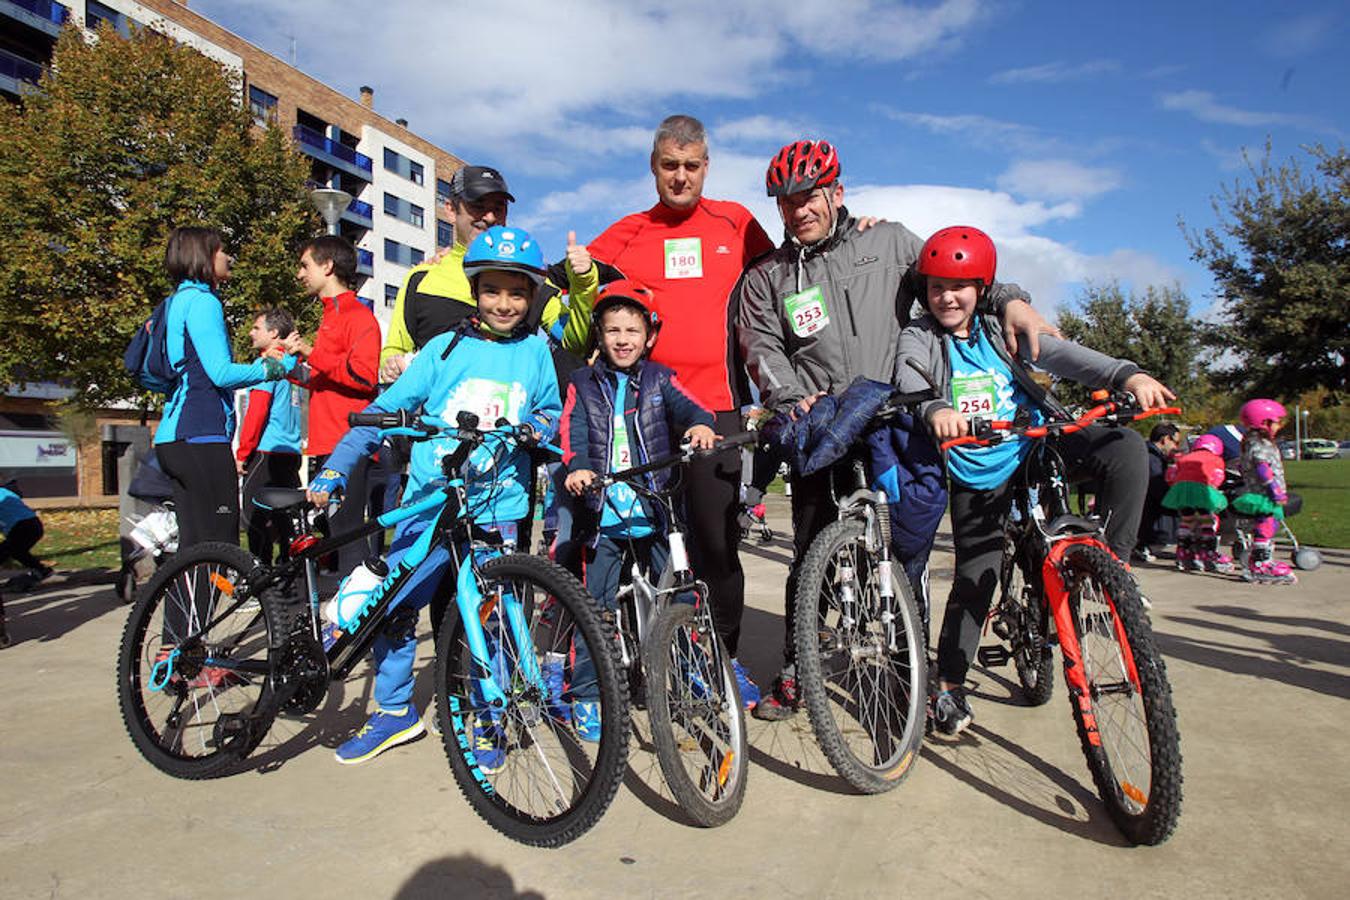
column 217, row 645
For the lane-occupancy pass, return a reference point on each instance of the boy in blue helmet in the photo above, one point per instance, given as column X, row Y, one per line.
column 493, row 365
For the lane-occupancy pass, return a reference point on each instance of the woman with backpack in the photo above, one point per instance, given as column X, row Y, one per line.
column 193, row 439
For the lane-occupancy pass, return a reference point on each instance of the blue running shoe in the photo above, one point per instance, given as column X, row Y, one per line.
column 383, row 730
column 586, row 720
column 749, row 690
column 552, row 670
column 489, row 745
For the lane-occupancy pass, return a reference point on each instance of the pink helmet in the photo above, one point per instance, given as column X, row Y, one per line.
column 1208, row 442
column 1256, row 413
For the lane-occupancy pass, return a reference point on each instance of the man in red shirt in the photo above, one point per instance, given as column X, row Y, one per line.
column 691, row 251
column 340, row 371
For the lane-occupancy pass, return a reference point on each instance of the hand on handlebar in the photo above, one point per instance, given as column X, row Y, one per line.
column 577, row 482
column 1148, row 391
column 948, row 423
column 701, row 437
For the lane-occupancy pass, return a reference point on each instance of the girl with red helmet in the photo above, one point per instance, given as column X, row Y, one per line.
column 1195, row 478
column 956, row 347
column 1264, row 489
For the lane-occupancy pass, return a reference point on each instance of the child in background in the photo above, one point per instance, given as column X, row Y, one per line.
column 621, row 412
column 22, row 529
column 1195, row 478
column 1264, row 489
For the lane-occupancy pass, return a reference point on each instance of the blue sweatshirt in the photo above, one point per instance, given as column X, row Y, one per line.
column 201, row 408
column 512, row 379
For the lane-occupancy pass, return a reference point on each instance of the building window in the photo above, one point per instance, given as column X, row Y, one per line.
column 390, row 295
column 391, row 204
column 95, row 12
column 263, row 106
column 442, row 191
column 401, row 165
column 416, row 215
column 445, row 233
column 415, row 172
column 402, row 254
column 417, row 256
column 392, row 160
column 403, row 210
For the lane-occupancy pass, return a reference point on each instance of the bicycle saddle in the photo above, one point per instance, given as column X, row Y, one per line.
column 1071, row 524
column 279, row 498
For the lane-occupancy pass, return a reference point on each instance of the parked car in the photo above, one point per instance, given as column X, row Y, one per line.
column 1320, row 448
column 1345, row 449
column 1287, row 450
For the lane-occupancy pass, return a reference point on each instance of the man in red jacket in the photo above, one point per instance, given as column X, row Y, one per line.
column 690, row 251
column 340, row 371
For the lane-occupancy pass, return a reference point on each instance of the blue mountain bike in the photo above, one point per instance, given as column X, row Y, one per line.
column 218, row 645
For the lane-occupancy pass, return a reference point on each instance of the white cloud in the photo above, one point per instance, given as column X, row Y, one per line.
column 1228, row 158
column 1054, row 71
column 1298, row 36
column 759, row 130
column 1203, row 106
column 1058, row 179
column 849, row 29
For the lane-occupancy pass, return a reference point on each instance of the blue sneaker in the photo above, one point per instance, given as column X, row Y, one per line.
column 552, row 670
column 383, row 730
column 489, row 745
column 586, row 720
column 749, row 690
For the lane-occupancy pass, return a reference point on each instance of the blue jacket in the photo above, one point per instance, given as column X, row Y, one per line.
column 201, row 407
column 656, row 404
column 511, row 379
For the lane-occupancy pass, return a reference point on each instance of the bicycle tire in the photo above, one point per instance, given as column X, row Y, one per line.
column 888, row 727
column 696, row 716
column 183, row 728
column 1123, row 712
column 1028, row 631
column 511, row 799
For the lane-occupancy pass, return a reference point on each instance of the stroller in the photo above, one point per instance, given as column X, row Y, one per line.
column 153, row 536
column 1305, row 558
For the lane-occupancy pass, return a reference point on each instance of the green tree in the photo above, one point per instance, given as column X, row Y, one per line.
column 1280, row 256
column 123, row 141
column 1155, row 331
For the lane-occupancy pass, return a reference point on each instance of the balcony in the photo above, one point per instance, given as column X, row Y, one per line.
column 18, row 74
column 365, row 262
column 44, row 15
column 335, row 154
column 361, row 213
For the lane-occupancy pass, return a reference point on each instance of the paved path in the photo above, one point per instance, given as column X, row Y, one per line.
column 1261, row 677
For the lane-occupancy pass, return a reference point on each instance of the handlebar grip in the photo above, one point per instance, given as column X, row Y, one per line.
column 376, row 419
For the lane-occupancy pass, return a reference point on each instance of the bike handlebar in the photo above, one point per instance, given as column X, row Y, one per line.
column 985, row 433
column 421, row 428
column 685, row 454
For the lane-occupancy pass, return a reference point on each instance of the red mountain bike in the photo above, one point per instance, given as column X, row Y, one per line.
column 1057, row 569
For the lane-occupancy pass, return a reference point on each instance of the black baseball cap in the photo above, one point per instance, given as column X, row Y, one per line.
column 476, row 182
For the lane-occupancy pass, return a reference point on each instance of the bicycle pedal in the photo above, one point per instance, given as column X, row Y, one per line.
column 994, row 656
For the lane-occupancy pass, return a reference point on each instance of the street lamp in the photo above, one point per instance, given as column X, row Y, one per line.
column 330, row 202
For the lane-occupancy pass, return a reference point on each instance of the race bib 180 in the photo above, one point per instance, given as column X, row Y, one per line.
column 807, row 312
column 684, row 258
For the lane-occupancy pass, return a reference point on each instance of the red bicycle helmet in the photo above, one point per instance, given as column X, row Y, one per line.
column 626, row 292
column 800, row 166
column 959, row 252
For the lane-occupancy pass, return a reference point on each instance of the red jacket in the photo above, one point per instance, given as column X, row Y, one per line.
column 1199, row 466
column 342, row 369
column 691, row 259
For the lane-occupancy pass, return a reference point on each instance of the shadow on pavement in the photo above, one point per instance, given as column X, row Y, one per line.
column 1251, row 615
column 462, row 876
column 644, row 778
column 1024, row 782
column 1280, row 663
column 51, row 610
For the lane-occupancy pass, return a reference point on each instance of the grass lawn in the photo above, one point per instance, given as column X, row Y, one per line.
column 1325, row 486
column 79, row 539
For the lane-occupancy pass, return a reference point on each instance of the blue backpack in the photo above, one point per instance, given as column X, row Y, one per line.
column 147, row 355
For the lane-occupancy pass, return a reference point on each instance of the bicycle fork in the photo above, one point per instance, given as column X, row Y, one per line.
column 474, row 610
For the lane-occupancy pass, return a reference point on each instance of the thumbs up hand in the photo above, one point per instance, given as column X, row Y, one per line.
column 578, row 257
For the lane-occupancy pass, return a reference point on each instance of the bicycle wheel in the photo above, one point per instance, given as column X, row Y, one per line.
column 1125, row 719
column 864, row 679
column 549, row 786
column 1024, row 616
column 698, row 724
column 194, row 701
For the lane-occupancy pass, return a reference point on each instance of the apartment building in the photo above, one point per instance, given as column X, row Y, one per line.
column 397, row 179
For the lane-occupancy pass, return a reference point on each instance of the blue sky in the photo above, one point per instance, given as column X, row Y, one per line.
column 1076, row 134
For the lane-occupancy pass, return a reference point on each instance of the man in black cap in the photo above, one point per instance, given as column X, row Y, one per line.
column 435, row 296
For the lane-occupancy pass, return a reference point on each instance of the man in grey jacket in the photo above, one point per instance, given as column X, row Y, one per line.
column 822, row 309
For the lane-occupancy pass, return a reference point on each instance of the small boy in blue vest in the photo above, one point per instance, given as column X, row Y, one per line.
column 622, row 412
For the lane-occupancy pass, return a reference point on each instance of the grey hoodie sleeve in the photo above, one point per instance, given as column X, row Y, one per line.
column 763, row 342
column 922, row 347
column 1080, row 364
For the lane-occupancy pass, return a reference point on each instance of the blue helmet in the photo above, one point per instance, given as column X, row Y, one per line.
column 506, row 249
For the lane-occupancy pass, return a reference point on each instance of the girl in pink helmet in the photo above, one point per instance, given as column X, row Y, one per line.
column 1264, row 489
column 1195, row 478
